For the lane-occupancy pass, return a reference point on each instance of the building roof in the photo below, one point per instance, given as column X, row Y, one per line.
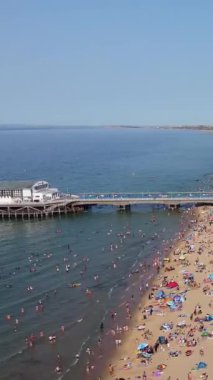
column 16, row 185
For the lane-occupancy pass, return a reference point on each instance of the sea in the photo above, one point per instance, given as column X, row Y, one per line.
column 45, row 322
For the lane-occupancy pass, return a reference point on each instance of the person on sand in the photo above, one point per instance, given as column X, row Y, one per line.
column 144, row 375
column 87, row 369
column 156, row 346
column 204, row 376
column 111, row 369
column 190, row 376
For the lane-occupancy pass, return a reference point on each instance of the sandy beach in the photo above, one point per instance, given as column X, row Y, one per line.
column 172, row 326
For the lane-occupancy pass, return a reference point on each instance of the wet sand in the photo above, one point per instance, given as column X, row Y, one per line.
column 193, row 253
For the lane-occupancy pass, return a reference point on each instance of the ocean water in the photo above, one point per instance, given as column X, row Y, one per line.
column 104, row 249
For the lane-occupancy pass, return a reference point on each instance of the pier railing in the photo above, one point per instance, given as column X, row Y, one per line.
column 148, row 197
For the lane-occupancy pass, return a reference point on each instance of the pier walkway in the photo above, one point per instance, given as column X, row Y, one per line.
column 72, row 204
column 128, row 199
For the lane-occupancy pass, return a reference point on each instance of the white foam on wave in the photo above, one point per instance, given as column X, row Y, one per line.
column 76, row 360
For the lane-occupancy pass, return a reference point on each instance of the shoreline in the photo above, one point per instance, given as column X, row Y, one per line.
column 123, row 363
column 105, row 351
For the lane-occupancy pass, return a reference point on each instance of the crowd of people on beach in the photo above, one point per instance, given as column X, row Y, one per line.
column 184, row 298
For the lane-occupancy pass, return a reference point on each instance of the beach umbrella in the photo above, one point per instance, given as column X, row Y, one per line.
column 205, row 333
column 172, row 284
column 142, row 346
column 211, row 276
column 160, row 295
column 177, row 299
column 201, row 365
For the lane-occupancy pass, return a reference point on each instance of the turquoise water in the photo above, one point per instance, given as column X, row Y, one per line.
column 102, row 247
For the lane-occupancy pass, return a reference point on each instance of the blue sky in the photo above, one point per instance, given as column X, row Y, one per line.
column 101, row 62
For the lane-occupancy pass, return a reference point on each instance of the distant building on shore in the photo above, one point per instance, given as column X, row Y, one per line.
column 27, row 191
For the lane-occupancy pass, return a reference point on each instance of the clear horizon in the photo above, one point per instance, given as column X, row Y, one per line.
column 106, row 63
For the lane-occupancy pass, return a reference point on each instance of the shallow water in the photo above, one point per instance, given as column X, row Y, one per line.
column 100, row 242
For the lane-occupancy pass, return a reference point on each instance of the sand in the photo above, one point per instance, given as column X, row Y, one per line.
column 197, row 248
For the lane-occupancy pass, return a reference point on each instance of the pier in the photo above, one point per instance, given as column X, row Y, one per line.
column 124, row 201
column 69, row 204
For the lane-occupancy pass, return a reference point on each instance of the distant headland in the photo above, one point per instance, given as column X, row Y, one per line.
column 180, row 127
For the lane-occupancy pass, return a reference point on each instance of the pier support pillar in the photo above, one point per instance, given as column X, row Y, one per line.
column 173, row 207
column 124, row 208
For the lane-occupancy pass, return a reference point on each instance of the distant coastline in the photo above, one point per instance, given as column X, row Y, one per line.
column 180, row 127
column 200, row 127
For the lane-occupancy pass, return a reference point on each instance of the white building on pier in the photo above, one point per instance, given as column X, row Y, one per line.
column 27, row 191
